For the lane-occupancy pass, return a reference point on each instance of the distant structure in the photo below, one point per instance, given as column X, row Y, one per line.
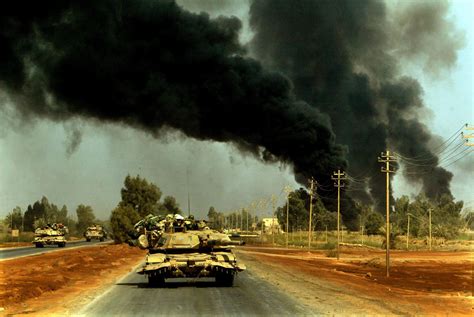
column 271, row 225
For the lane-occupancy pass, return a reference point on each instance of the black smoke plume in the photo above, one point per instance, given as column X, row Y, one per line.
column 151, row 65
column 341, row 56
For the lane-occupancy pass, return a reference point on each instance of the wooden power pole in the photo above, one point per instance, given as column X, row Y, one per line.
column 338, row 176
column 312, row 183
column 288, row 192
column 273, row 199
column 387, row 159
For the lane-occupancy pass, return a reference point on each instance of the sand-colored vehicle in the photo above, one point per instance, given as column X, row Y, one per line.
column 179, row 252
column 50, row 235
column 95, row 232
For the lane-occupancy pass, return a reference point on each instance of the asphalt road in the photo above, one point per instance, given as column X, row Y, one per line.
column 250, row 296
column 10, row 253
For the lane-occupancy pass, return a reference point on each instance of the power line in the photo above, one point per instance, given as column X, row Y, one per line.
column 435, row 160
column 438, row 149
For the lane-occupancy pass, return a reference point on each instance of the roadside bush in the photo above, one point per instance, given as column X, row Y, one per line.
column 122, row 221
column 374, row 222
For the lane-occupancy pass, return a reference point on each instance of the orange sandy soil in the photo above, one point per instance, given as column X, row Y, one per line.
column 59, row 282
column 421, row 283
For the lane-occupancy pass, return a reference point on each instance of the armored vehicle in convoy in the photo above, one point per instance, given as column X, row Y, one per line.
column 50, row 235
column 186, row 248
column 95, row 232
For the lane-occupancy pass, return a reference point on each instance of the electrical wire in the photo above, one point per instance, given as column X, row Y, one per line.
column 435, row 160
column 428, row 171
column 446, row 162
column 439, row 149
column 444, row 166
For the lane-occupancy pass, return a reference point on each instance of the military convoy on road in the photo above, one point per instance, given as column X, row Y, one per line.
column 179, row 247
column 50, row 235
column 95, row 232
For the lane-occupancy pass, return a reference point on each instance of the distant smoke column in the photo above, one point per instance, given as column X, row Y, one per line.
column 411, row 137
column 309, row 45
column 337, row 54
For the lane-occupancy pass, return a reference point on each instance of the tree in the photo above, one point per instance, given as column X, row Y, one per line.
column 62, row 215
column 139, row 198
column 85, row 217
column 212, row 214
column 122, row 220
column 170, row 206
column 43, row 212
column 446, row 217
column 29, row 219
column 298, row 214
column 140, row 195
column 213, row 217
column 468, row 218
column 321, row 217
column 14, row 219
column 374, row 222
column 36, row 212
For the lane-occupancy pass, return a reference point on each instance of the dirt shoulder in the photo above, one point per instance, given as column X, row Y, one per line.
column 420, row 283
column 59, row 282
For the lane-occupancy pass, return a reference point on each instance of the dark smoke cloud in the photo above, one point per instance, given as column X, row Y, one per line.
column 339, row 55
column 152, row 65
column 74, row 138
column 422, row 32
column 213, row 7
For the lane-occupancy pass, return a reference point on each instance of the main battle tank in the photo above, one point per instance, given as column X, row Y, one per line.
column 186, row 249
column 50, row 235
column 95, row 232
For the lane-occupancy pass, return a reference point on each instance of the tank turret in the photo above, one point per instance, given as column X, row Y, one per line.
column 50, row 234
column 175, row 251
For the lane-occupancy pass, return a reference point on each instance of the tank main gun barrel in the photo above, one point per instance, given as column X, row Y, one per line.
column 219, row 242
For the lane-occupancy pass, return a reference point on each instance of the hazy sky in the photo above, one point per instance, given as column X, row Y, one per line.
column 34, row 160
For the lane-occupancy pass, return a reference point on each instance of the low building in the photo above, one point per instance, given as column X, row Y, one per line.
column 271, row 225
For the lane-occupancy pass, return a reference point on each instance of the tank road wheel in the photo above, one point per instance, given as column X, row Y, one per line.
column 225, row 279
column 88, row 239
column 156, row 280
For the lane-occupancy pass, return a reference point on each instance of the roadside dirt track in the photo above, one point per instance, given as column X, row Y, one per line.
column 426, row 283
column 53, row 283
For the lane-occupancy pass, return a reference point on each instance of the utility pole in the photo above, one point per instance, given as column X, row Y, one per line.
column 429, row 216
column 338, row 176
column 11, row 225
column 468, row 136
column 387, row 158
column 241, row 219
column 288, row 192
column 408, row 230
column 247, row 214
column 273, row 219
column 312, row 182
